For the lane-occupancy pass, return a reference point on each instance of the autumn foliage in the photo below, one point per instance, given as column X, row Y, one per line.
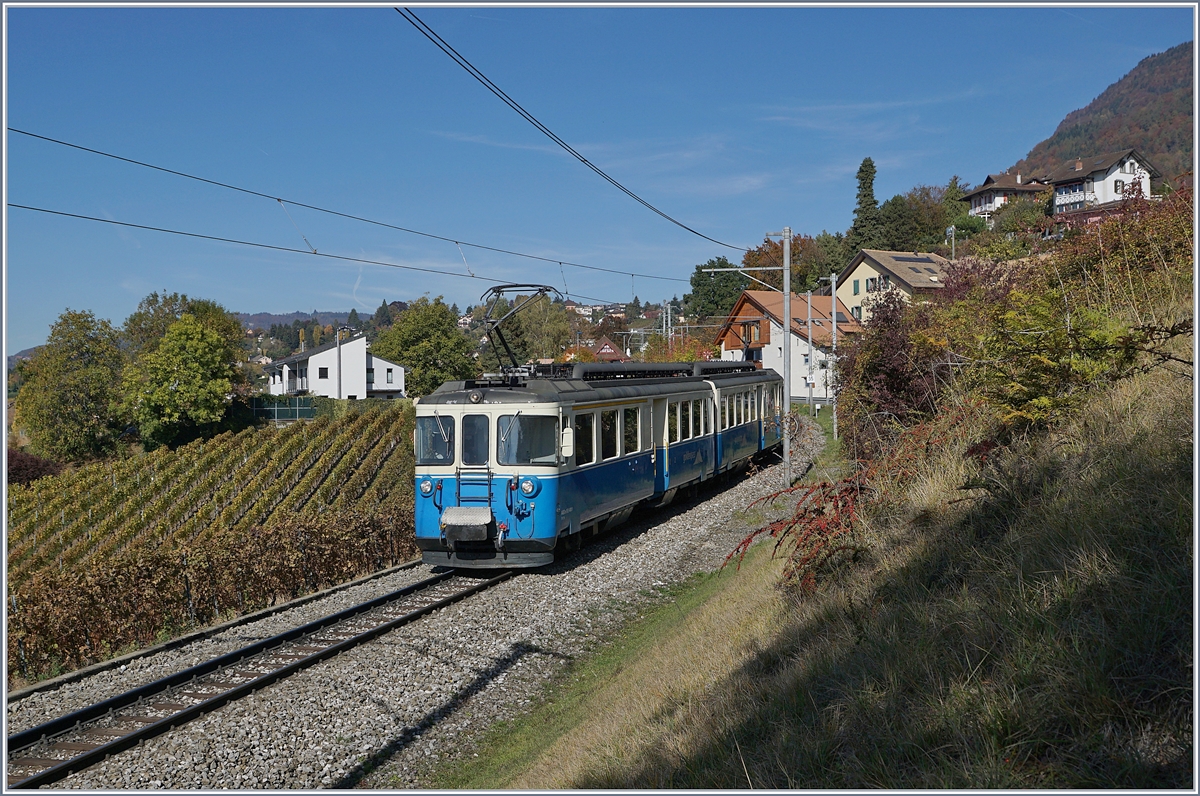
column 59, row 621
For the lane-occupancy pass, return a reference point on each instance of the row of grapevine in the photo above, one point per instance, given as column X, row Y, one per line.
column 167, row 498
column 64, row 620
column 121, row 511
column 38, row 506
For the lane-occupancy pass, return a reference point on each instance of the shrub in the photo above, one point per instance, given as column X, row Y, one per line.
column 25, row 467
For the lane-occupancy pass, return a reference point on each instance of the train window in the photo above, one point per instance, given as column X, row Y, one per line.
column 724, row 412
column 673, row 422
column 527, row 439
column 697, row 408
column 754, row 404
column 584, row 444
column 685, row 419
column 435, row 440
column 608, row 434
column 631, row 430
column 475, row 439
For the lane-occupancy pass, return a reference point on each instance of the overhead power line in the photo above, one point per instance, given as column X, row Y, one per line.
column 294, row 203
column 310, row 252
column 441, row 44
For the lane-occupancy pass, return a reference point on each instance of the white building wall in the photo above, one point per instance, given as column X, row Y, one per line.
column 353, row 370
column 772, row 357
column 381, row 367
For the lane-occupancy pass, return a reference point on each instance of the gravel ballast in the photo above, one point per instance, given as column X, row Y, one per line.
column 418, row 695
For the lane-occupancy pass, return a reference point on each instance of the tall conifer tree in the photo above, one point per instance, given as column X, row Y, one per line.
column 867, row 230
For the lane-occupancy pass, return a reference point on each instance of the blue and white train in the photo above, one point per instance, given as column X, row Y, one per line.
column 513, row 469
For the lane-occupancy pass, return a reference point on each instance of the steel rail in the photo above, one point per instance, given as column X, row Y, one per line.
column 28, row 738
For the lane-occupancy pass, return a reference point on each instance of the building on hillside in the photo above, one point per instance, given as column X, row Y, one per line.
column 753, row 332
column 348, row 370
column 997, row 190
column 464, row 322
column 1100, row 181
column 872, row 272
column 608, row 351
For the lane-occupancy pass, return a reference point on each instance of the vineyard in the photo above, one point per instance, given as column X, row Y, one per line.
column 116, row 555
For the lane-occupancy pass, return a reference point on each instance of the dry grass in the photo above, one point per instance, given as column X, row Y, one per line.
column 646, row 699
column 1038, row 636
column 1037, row 633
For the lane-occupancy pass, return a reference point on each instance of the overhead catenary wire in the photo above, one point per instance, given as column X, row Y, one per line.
column 274, row 247
column 441, row 44
column 338, row 213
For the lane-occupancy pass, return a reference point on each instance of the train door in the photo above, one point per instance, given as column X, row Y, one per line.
column 658, row 430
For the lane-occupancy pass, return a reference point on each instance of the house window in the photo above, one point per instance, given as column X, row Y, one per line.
column 856, row 287
column 871, row 285
column 370, row 375
column 857, row 313
column 389, row 375
column 886, row 282
column 1119, row 185
column 322, row 373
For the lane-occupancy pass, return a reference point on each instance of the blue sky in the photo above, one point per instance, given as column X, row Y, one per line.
column 735, row 121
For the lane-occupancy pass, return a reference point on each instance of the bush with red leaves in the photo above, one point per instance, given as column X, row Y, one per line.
column 25, row 467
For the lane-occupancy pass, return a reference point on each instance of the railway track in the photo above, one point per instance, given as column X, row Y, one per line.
column 52, row 751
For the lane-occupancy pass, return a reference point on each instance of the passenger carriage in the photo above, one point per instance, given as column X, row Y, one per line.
column 512, row 469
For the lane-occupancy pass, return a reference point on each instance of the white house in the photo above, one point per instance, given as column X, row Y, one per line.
column 1089, row 183
column 997, row 190
column 753, row 332
column 348, row 370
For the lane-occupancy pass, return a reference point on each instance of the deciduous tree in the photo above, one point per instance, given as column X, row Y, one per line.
column 183, row 385
column 68, row 404
column 425, row 338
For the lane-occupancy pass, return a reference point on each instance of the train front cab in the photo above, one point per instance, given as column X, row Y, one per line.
column 486, row 484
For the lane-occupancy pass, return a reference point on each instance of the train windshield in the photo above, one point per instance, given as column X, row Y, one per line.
column 475, row 439
column 435, row 440
column 527, row 439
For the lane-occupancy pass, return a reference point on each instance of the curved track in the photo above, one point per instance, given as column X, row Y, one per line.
column 52, row 751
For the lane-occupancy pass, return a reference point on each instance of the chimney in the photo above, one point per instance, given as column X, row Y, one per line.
column 1018, row 178
column 1078, row 165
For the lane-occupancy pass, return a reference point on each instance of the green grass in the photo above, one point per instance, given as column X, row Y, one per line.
column 509, row 748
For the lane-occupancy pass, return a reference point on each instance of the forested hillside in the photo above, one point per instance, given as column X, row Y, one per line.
column 1149, row 109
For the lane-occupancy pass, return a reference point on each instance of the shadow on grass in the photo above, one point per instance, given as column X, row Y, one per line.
column 1042, row 638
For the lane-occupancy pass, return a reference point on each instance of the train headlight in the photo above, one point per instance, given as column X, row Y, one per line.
column 529, row 487
column 426, row 487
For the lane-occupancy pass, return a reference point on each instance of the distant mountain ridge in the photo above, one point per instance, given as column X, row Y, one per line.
column 263, row 320
column 1150, row 109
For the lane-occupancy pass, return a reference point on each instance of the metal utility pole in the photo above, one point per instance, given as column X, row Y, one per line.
column 832, row 279
column 787, row 351
column 951, row 231
column 833, row 312
column 810, row 356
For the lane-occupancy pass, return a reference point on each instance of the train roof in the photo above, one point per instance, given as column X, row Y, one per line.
column 586, row 382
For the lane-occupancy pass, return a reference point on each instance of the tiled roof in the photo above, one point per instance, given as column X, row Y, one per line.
column 1007, row 182
column 1068, row 171
column 309, row 352
column 770, row 304
column 917, row 270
